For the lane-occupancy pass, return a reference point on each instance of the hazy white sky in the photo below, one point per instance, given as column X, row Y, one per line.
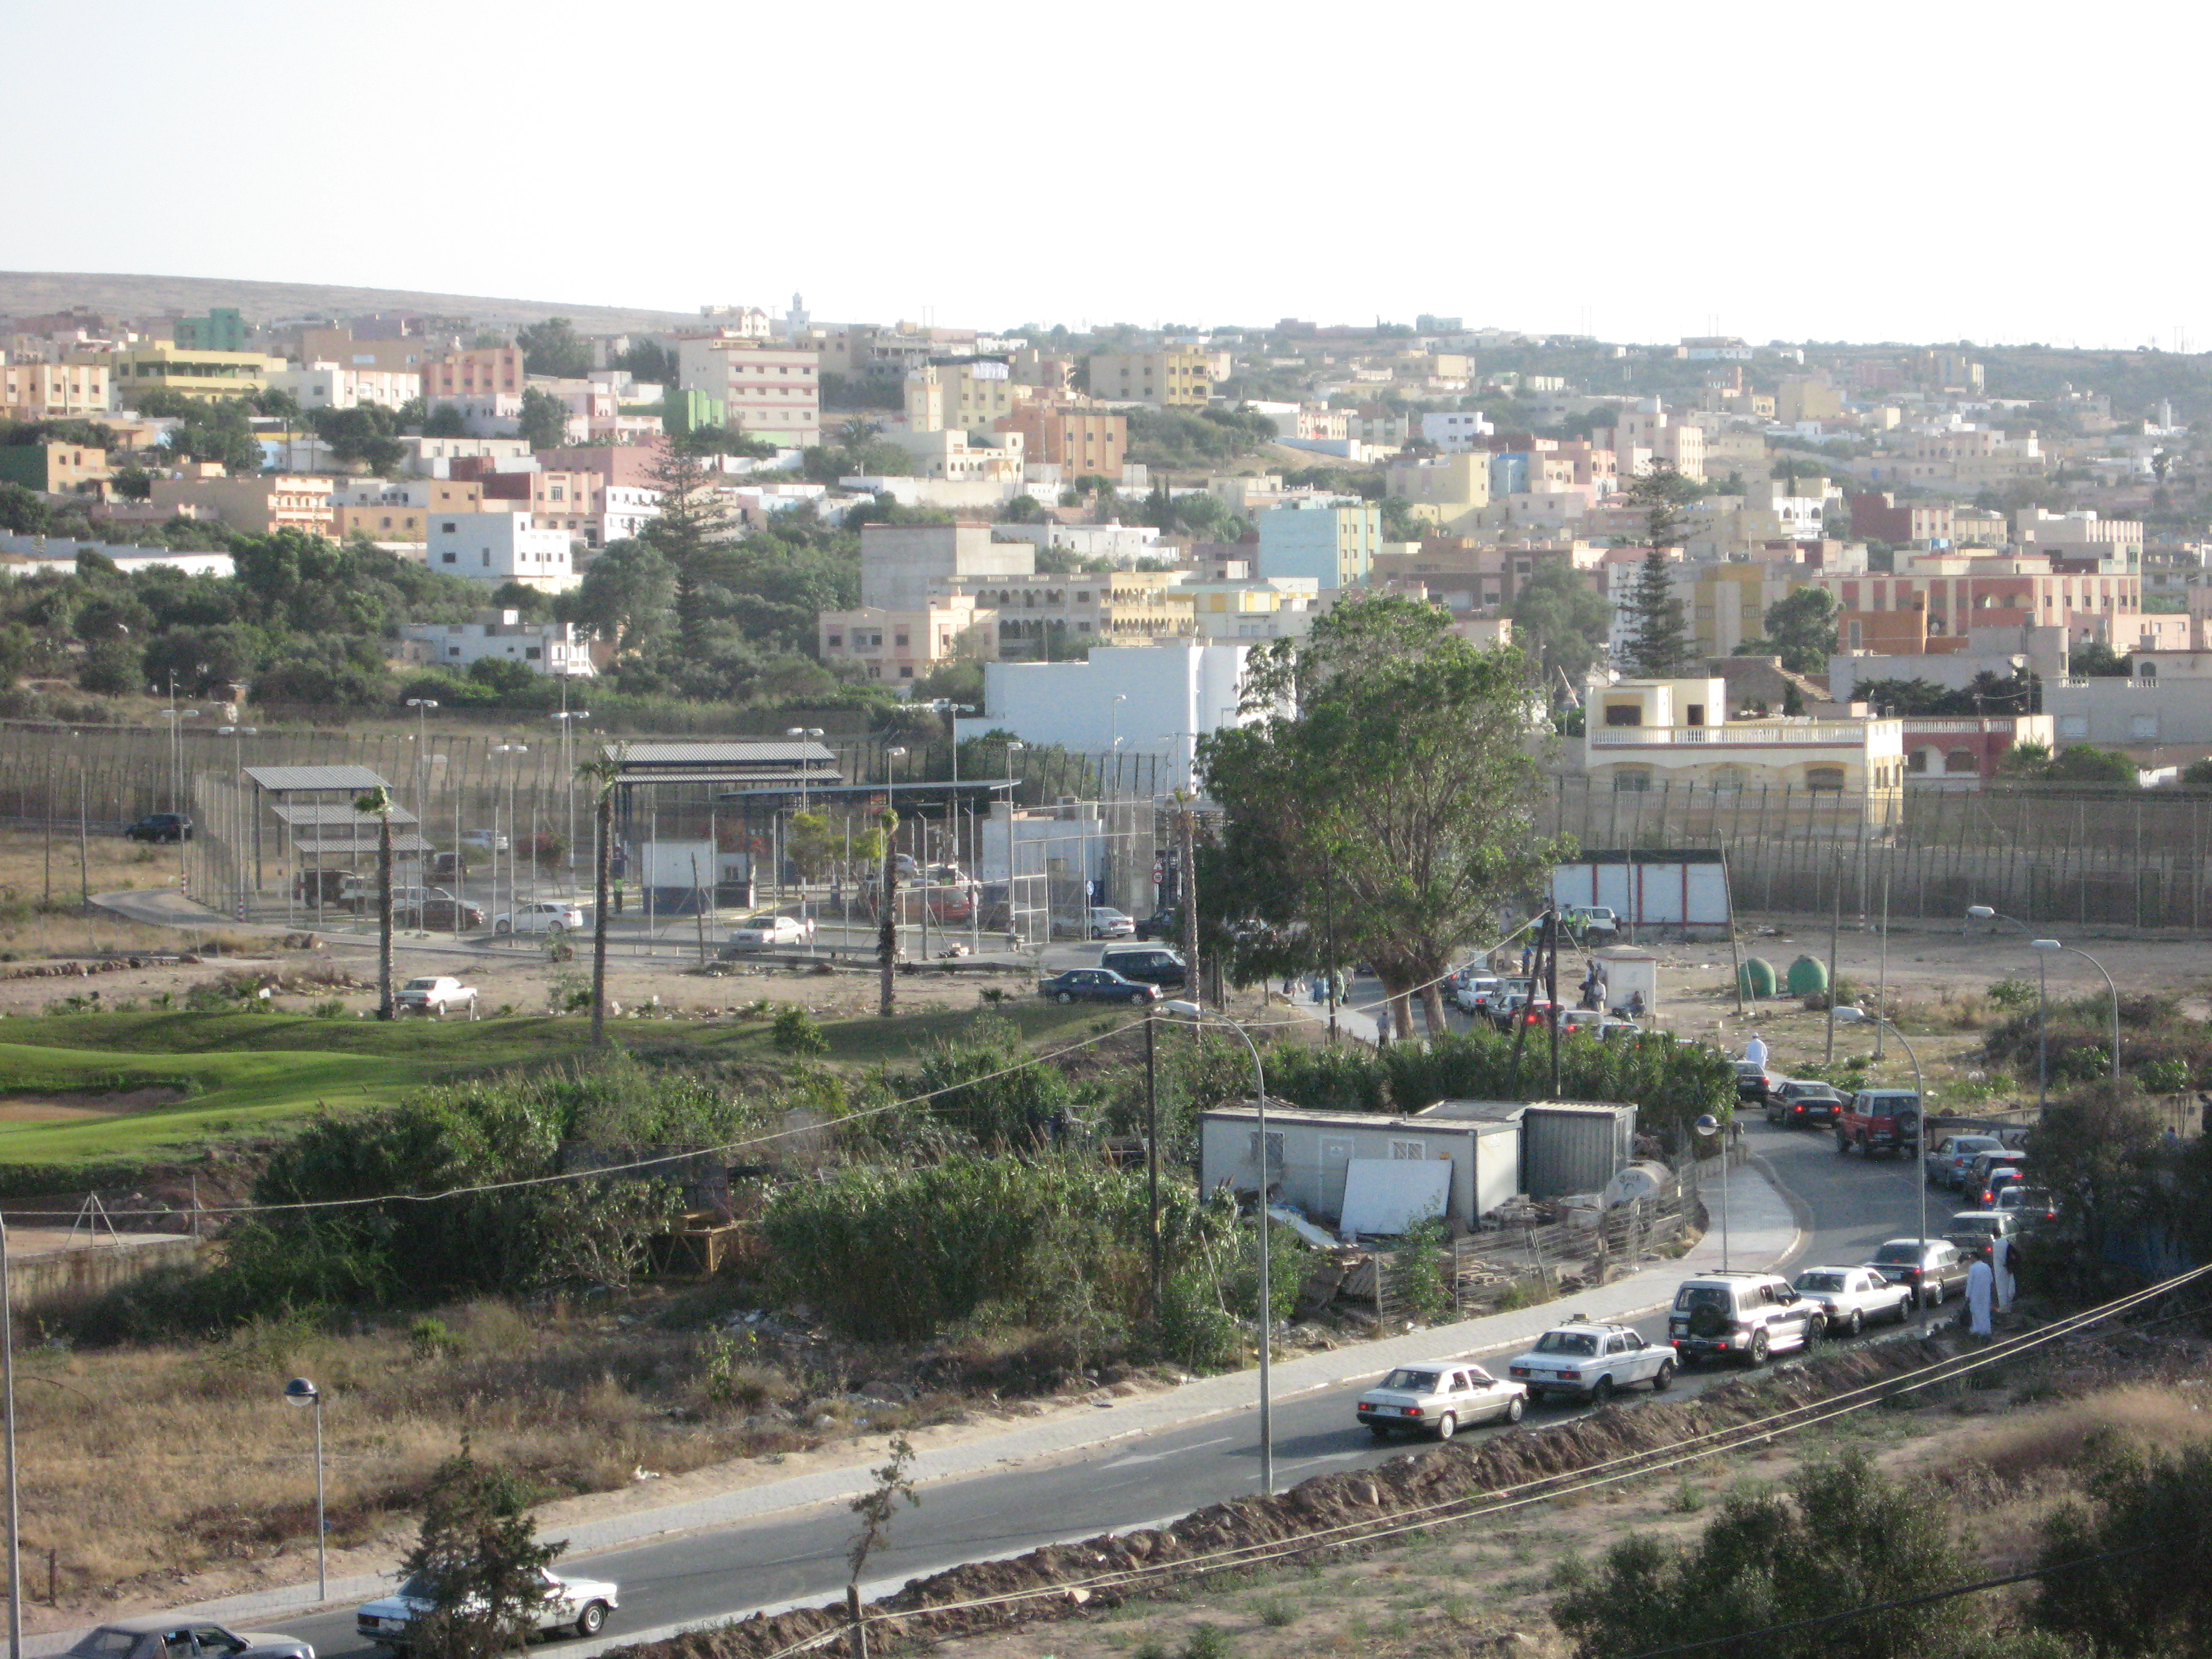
column 1929, row 171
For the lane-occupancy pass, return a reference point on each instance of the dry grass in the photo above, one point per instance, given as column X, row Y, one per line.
column 142, row 1465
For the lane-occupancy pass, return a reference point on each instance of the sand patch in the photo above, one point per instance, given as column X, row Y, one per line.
column 76, row 1108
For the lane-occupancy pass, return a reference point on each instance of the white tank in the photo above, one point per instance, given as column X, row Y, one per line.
column 1636, row 1180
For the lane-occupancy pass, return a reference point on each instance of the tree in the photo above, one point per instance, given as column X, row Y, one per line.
column 1659, row 645
column 2085, row 763
column 544, row 420
column 378, row 802
column 649, row 361
column 2095, row 659
column 1845, row 1536
column 22, row 512
column 1661, row 490
column 554, row 349
column 477, row 1561
column 1390, row 753
column 876, row 1506
column 1563, row 622
column 2150, row 1522
column 625, row 596
column 1803, row 628
column 602, row 773
column 687, row 533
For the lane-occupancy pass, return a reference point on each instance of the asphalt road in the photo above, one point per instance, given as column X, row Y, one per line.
column 800, row 1556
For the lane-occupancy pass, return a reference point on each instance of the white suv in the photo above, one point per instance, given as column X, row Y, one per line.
column 1741, row 1315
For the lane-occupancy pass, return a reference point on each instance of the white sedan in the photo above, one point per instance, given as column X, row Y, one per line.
column 1853, row 1297
column 551, row 916
column 1438, row 1398
column 768, row 930
column 1590, row 1361
column 580, row 1605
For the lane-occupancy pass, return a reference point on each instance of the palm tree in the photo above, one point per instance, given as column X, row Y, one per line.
column 378, row 802
column 602, row 774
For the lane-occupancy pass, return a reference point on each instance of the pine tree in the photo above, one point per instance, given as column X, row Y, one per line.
column 691, row 525
column 1659, row 645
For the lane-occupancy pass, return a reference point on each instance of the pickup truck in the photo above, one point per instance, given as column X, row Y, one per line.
column 1596, row 923
column 1879, row 1121
column 436, row 996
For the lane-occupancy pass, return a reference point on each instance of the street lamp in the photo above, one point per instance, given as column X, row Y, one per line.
column 1120, row 697
column 1013, row 749
column 890, row 802
column 804, row 734
column 300, row 1392
column 1197, row 1016
column 2050, row 944
column 568, row 717
column 1920, row 1141
column 1709, row 1127
column 1982, row 913
column 513, row 920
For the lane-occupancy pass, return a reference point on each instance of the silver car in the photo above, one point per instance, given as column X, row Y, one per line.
column 1439, row 1398
column 175, row 1638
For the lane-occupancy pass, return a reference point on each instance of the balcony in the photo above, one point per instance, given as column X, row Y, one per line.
column 1820, row 734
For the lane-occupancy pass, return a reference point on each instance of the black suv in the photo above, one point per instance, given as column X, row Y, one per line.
column 161, row 826
column 1165, row 923
column 1148, row 964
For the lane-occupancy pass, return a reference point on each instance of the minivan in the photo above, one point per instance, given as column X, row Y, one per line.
column 1148, row 964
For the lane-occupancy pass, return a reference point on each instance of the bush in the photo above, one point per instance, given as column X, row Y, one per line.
column 2152, row 1521
column 2012, row 993
column 795, row 1032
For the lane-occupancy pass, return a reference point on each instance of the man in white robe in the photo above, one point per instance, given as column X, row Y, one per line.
column 1980, row 1289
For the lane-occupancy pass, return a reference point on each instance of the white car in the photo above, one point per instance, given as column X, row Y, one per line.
column 1108, row 923
column 768, row 929
column 1439, row 1398
column 547, row 916
column 580, row 1605
column 1854, row 1297
column 485, row 841
column 1474, row 991
column 1590, row 1361
column 172, row 1636
column 436, row 994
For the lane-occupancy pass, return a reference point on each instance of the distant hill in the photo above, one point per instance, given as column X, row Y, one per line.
column 32, row 293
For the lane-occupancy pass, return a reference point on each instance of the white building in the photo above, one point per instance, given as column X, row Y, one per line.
column 547, row 647
column 29, row 555
column 1456, row 430
column 1155, row 699
column 495, row 548
column 1124, row 544
column 433, row 457
column 337, row 385
column 625, row 510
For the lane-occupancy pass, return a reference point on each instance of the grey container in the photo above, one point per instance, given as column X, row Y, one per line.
column 1574, row 1148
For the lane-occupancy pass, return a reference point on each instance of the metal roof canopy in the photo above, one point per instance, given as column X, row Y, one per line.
column 313, row 779
column 321, row 813
column 648, row 759
column 404, row 844
column 934, row 788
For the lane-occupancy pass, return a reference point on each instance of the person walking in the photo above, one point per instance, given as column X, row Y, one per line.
column 1754, row 1052
column 1980, row 1289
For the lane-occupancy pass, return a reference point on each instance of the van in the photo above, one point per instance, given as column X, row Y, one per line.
column 1148, row 964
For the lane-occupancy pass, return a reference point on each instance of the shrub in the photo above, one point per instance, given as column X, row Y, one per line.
column 429, row 1338
column 1422, row 1265
column 2012, row 993
column 795, row 1032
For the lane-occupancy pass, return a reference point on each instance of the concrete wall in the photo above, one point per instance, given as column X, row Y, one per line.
column 44, row 1270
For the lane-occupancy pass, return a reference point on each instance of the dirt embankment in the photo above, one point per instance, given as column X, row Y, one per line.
column 1331, row 1510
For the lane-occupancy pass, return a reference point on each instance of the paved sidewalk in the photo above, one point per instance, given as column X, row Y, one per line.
column 1762, row 1231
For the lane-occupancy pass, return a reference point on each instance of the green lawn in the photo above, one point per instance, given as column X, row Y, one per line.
column 249, row 1074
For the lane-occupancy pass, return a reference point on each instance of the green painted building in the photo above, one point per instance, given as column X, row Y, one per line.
column 221, row 329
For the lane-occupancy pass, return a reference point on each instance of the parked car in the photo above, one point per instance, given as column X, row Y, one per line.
column 1741, row 1315
column 1851, row 1299
column 1148, row 964
column 1989, row 1174
column 580, row 1605
column 1519, row 1007
column 1754, row 1080
column 1796, row 1101
column 767, row 929
column 2035, row 1207
column 1594, row 923
column 1975, row 1231
column 1095, row 984
column 1165, row 923
column 1106, row 922
column 1439, row 1398
column 161, row 826
column 1613, row 1029
column 543, row 916
column 436, row 994
column 172, row 1638
column 1589, row 1361
column 1948, row 1162
column 438, row 913
column 1879, row 1121
column 485, row 842
column 1931, row 1272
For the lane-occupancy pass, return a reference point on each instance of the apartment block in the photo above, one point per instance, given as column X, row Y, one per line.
column 973, row 395
column 1121, row 607
column 1882, row 517
column 1454, row 430
column 221, row 329
column 495, row 548
column 1080, row 441
column 902, row 565
column 403, row 356
column 332, row 386
column 53, row 391
column 1931, row 597
column 54, row 469
column 482, row 371
column 770, row 391
column 208, row 374
column 897, row 646
column 1179, row 378
column 254, row 505
column 1334, row 542
column 1448, row 492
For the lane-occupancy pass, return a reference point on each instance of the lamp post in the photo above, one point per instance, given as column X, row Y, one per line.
column 1982, row 913
column 1199, row 1017
column 1709, row 1126
column 890, row 803
column 2046, row 946
column 507, row 777
column 1120, row 697
column 804, row 734
column 1919, row 1094
column 568, row 717
column 301, row 1392
column 8, row 1407
column 423, row 706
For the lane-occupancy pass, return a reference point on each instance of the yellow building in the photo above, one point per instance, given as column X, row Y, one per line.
column 1806, row 398
column 1448, row 492
column 961, row 397
column 209, row 374
column 1175, row 378
column 892, row 647
column 1116, row 607
column 1644, row 735
column 53, row 391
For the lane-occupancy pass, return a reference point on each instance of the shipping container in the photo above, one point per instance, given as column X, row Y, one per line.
column 1685, row 889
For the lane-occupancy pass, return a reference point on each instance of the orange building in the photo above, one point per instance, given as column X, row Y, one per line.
column 479, row 374
column 1080, row 442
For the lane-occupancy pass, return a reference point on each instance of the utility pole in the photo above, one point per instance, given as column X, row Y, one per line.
column 1328, row 933
column 83, row 851
column 887, row 922
column 1153, row 1152
column 1187, row 856
column 1835, row 928
column 1552, row 989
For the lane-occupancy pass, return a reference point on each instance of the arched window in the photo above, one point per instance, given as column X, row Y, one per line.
column 1631, row 780
column 1824, row 777
column 1962, row 761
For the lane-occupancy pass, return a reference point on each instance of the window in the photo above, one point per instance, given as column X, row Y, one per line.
column 1632, row 781
column 1414, row 1149
column 1917, row 762
column 1961, row 760
column 1825, row 778
column 2072, row 726
column 1274, row 1151
column 1624, row 714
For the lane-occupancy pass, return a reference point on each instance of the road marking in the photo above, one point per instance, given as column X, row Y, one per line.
column 1161, row 1456
column 1325, row 1457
